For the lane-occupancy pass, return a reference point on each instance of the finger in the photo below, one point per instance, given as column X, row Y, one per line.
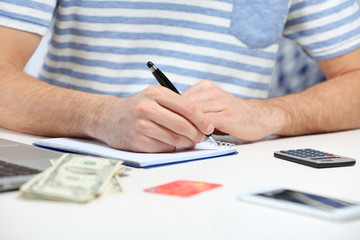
column 138, row 142
column 164, row 135
column 185, row 110
column 177, row 124
column 188, row 117
column 150, row 145
column 210, row 106
column 201, row 97
column 199, row 87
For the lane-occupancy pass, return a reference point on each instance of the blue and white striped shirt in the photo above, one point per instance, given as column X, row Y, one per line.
column 102, row 46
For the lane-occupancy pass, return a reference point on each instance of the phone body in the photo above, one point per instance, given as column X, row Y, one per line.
column 302, row 202
column 314, row 158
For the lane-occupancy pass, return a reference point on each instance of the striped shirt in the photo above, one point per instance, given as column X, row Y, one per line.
column 102, row 46
column 294, row 70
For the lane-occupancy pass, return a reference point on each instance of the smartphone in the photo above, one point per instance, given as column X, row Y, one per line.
column 314, row 158
column 302, row 202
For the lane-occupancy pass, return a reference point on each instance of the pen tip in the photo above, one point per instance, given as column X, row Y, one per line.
column 150, row 64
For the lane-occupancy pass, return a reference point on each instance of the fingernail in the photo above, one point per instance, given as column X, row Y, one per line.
column 209, row 129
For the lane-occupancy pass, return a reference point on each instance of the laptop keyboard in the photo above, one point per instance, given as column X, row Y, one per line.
column 10, row 169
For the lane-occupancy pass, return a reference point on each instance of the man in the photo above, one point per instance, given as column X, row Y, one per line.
column 95, row 82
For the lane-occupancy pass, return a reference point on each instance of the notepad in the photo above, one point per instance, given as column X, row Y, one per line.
column 202, row 150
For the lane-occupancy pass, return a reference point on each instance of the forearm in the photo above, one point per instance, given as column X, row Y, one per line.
column 32, row 106
column 150, row 121
column 333, row 105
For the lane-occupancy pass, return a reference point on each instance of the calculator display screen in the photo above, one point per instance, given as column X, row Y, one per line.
column 311, row 200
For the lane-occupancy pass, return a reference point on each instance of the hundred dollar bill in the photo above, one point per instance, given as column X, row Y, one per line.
column 73, row 178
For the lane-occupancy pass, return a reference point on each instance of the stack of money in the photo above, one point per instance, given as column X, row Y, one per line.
column 75, row 178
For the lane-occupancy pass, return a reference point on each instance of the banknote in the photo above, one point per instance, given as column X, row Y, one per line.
column 115, row 186
column 75, row 178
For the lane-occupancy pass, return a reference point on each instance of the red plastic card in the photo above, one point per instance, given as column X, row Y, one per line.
column 182, row 188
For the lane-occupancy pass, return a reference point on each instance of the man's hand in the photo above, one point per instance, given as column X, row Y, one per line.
column 154, row 120
column 243, row 119
column 329, row 106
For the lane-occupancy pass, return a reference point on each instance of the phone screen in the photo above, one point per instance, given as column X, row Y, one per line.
column 311, row 200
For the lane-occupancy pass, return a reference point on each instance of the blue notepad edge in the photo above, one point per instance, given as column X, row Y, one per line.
column 134, row 165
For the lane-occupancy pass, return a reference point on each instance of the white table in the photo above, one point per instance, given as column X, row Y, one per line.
column 215, row 214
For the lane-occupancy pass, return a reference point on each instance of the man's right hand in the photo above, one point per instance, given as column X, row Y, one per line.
column 154, row 120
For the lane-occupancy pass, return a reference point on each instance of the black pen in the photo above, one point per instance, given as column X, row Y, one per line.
column 165, row 82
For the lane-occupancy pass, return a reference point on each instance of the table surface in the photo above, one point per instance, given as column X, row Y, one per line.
column 214, row 214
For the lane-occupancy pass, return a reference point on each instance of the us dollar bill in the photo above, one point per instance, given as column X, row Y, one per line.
column 74, row 177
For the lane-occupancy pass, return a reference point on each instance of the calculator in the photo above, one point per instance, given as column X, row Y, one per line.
column 314, row 158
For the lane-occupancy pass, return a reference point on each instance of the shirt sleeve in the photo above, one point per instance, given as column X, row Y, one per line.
column 28, row 15
column 324, row 28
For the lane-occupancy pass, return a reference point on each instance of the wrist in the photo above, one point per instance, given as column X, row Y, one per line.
column 95, row 116
column 270, row 115
column 279, row 118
